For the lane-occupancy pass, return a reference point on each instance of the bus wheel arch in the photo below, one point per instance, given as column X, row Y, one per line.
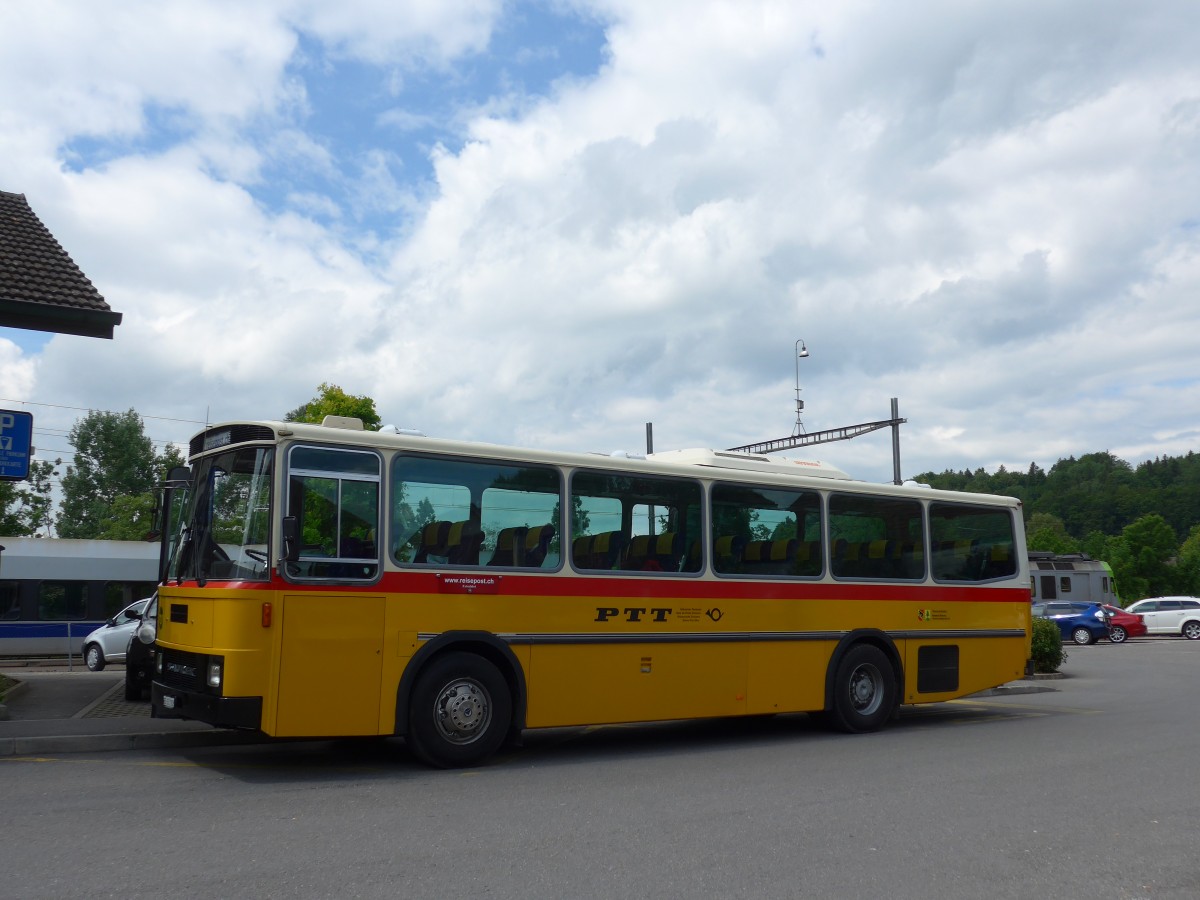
column 461, row 648
column 864, row 682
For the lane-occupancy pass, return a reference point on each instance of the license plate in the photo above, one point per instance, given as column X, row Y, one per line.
column 168, row 702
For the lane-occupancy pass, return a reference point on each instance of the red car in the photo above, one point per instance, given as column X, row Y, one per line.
column 1123, row 625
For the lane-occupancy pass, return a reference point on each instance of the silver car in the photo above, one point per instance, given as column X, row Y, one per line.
column 1170, row 615
column 108, row 642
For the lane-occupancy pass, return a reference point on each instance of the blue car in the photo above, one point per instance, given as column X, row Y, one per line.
column 1083, row 623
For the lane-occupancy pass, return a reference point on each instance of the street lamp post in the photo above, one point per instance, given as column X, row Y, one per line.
column 801, row 353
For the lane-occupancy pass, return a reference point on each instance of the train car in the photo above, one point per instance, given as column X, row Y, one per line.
column 53, row 592
column 1071, row 576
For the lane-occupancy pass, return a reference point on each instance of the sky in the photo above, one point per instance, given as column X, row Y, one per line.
column 550, row 223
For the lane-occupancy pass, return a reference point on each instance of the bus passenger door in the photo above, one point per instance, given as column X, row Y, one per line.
column 330, row 665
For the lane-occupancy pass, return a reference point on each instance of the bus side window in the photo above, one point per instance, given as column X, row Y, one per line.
column 456, row 512
column 875, row 537
column 972, row 543
column 333, row 493
column 766, row 531
column 634, row 523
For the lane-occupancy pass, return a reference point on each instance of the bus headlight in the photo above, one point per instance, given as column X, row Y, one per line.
column 158, row 664
column 214, row 674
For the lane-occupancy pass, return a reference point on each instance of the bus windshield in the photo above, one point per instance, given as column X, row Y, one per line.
column 225, row 527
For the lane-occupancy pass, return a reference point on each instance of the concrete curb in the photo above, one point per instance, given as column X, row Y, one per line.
column 1007, row 690
column 1033, row 684
column 16, row 688
column 98, row 743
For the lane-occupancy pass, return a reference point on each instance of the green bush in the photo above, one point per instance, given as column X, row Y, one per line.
column 1048, row 652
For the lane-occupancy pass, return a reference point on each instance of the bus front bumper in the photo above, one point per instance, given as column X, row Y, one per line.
column 222, row 712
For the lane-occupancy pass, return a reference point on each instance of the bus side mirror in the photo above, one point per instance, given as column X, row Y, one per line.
column 291, row 539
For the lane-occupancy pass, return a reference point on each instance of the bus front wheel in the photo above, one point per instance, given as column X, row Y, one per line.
column 864, row 690
column 460, row 711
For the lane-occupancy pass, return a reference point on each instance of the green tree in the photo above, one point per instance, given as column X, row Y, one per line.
column 1142, row 558
column 1047, row 532
column 131, row 518
column 110, row 491
column 10, row 509
column 25, row 505
column 38, row 503
column 1095, row 545
column 1188, row 566
column 331, row 400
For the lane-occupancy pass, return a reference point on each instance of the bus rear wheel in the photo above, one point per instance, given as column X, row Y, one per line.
column 864, row 690
column 460, row 711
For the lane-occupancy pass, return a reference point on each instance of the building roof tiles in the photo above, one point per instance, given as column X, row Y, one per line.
column 40, row 286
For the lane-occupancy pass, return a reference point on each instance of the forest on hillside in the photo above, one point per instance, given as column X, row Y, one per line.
column 1144, row 520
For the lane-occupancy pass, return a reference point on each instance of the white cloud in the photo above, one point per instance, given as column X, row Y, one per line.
column 383, row 31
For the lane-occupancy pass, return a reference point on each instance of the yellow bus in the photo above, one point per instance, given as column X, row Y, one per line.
column 331, row 581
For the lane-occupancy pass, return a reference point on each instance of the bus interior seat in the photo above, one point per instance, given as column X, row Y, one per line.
column 878, row 561
column 912, row 559
column 598, row 551
column 845, row 558
column 432, row 542
column 667, row 550
column 537, row 544
column 654, row 552
column 956, row 560
column 509, row 543
column 865, row 559
column 998, row 562
column 463, row 543
column 580, row 550
column 807, row 558
column 640, row 554
column 769, row 557
column 727, row 553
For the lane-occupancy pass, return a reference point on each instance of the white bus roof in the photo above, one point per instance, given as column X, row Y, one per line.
column 750, row 462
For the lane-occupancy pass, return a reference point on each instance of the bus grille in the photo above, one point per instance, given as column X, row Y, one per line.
column 185, row 671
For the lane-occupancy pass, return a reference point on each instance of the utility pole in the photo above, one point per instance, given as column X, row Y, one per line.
column 800, row 439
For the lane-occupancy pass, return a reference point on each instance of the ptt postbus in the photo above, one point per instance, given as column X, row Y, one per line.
column 333, row 581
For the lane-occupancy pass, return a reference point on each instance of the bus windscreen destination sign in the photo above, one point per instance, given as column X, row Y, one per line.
column 16, row 444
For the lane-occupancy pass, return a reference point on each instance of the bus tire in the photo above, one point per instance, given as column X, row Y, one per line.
column 460, row 711
column 864, row 690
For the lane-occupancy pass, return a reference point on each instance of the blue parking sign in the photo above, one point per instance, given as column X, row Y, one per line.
column 16, row 444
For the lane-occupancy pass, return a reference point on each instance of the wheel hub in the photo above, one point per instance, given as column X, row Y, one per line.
column 863, row 688
column 462, row 711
